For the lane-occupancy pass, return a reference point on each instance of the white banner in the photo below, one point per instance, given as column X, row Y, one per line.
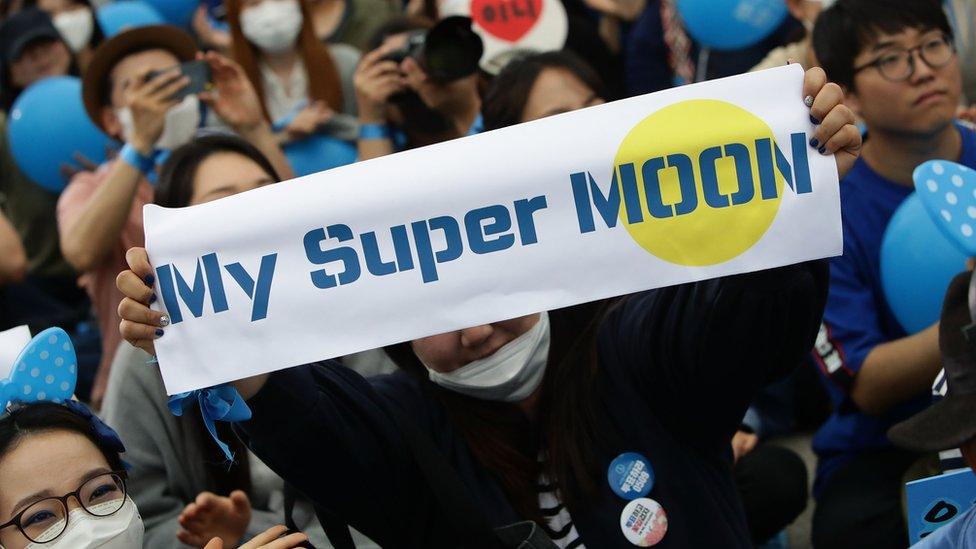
column 687, row 184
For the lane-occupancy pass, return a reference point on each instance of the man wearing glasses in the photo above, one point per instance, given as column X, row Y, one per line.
column 900, row 71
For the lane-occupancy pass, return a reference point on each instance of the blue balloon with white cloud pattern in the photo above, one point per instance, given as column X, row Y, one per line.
column 45, row 371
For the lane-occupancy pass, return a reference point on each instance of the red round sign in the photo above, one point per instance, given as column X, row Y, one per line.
column 507, row 20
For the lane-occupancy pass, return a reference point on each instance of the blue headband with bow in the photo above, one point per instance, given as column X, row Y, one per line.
column 47, row 371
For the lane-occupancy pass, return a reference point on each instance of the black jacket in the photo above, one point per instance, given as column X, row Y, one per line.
column 678, row 368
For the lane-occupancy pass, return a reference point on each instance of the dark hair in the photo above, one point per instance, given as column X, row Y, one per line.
column 504, row 441
column 8, row 90
column 105, row 100
column 505, row 100
column 41, row 417
column 97, row 36
column 498, row 433
column 174, row 190
column 846, row 28
column 9, row 7
column 175, row 186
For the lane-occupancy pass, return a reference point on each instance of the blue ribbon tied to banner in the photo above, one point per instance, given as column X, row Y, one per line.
column 219, row 403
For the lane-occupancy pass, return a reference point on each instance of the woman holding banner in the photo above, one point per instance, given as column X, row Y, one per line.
column 772, row 480
column 607, row 424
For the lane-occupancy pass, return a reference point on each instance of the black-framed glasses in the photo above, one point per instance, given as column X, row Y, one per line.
column 899, row 65
column 44, row 520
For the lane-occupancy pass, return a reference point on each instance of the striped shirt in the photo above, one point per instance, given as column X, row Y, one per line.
column 950, row 460
column 559, row 524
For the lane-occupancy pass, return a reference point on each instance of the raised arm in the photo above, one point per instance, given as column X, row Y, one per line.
column 90, row 220
column 321, row 427
column 698, row 353
column 375, row 81
column 237, row 103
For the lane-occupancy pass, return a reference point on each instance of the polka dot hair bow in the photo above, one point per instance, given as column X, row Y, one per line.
column 45, row 371
column 948, row 191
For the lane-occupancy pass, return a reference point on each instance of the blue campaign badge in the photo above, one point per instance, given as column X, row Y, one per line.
column 936, row 501
column 630, row 476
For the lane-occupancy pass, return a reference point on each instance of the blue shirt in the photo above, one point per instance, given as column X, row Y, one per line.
column 645, row 54
column 958, row 534
column 858, row 316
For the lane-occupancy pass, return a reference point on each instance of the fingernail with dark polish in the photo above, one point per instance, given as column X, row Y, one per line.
column 823, row 149
column 814, row 121
column 152, row 298
column 814, row 142
column 159, row 333
column 150, row 280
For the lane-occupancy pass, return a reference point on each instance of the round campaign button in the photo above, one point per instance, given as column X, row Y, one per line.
column 644, row 522
column 630, row 475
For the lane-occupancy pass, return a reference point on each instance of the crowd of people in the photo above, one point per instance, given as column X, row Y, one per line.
column 413, row 445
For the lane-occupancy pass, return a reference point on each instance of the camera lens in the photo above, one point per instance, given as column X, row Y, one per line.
column 452, row 49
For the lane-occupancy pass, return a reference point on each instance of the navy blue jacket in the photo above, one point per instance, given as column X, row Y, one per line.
column 678, row 368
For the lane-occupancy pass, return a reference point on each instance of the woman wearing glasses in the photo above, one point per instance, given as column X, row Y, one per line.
column 62, row 484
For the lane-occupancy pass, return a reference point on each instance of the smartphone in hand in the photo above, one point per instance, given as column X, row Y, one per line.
column 199, row 73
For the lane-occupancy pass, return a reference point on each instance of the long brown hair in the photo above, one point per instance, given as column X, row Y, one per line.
column 504, row 441
column 323, row 77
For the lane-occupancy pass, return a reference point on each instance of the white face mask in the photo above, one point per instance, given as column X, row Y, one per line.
column 181, row 123
column 510, row 374
column 75, row 27
column 272, row 25
column 121, row 530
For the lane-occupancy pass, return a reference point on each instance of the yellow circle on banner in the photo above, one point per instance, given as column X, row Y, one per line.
column 717, row 217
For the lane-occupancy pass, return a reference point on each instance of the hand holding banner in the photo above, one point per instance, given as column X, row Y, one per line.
column 692, row 183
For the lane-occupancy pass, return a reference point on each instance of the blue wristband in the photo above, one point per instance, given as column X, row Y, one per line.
column 134, row 158
column 375, row 131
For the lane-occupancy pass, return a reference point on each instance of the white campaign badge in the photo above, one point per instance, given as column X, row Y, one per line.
column 644, row 522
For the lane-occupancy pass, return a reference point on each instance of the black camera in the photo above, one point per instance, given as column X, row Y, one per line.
column 450, row 50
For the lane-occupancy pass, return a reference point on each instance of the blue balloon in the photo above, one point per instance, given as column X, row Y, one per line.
column 917, row 263
column 48, row 125
column 119, row 16
column 176, row 12
column 731, row 24
column 318, row 153
column 948, row 191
